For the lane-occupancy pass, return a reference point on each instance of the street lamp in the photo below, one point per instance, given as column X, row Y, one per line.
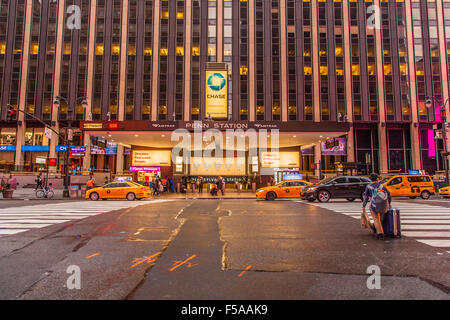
column 57, row 102
column 429, row 103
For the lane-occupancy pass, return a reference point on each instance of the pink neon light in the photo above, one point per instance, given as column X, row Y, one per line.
column 431, row 145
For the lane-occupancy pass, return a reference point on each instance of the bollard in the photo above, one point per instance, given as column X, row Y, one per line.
column 178, row 187
column 74, row 192
column 254, row 187
column 193, row 187
column 83, row 191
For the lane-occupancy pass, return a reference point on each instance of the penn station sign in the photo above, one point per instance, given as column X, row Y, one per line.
column 216, row 94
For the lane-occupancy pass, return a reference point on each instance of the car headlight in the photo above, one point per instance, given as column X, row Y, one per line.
column 312, row 189
column 260, row 190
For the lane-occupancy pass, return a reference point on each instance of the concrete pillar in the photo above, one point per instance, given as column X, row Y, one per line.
column 20, row 135
column 315, row 62
column 317, row 160
column 348, row 83
column 251, row 59
column 283, row 62
column 187, row 61
column 414, row 127
column 351, row 145
column 87, row 157
column 123, row 62
column 91, row 55
column 56, row 83
column 219, row 30
column 119, row 159
column 155, row 68
column 383, row 152
column 382, row 131
column 444, row 70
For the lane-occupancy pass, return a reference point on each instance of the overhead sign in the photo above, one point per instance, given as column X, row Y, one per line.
column 7, row 148
column 146, row 169
column 61, row 148
column 338, row 147
column 35, row 148
column 93, row 125
column 148, row 158
column 48, row 133
column 77, row 154
column 279, row 159
column 78, row 149
column 216, row 94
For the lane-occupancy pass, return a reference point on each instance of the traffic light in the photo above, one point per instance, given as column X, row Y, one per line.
column 11, row 113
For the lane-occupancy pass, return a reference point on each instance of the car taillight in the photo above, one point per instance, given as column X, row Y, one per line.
column 143, row 189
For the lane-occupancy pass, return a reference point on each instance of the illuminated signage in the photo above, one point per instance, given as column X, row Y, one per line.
column 216, row 94
column 279, row 159
column 338, row 147
column 149, row 158
column 95, row 125
column 146, row 169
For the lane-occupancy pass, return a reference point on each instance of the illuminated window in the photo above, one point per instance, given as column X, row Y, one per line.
column 164, row 51
column 196, row 51
column 244, row 70
column 180, row 51
column 99, row 50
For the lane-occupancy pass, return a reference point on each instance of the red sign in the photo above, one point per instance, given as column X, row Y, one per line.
column 52, row 162
column 113, row 125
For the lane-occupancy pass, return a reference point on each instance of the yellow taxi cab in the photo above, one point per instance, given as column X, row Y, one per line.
column 444, row 192
column 284, row 189
column 119, row 190
column 413, row 186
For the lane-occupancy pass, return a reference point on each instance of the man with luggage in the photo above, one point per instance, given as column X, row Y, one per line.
column 380, row 200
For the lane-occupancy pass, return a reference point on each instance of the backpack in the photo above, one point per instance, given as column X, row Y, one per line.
column 380, row 200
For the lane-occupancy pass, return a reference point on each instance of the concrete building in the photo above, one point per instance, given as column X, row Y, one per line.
column 359, row 71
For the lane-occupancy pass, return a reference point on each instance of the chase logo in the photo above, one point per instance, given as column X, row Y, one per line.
column 216, row 82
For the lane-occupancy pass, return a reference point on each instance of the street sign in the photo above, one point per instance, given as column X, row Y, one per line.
column 52, row 162
column 48, row 133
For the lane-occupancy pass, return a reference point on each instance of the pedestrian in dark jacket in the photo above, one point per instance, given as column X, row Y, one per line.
column 369, row 195
column 220, row 184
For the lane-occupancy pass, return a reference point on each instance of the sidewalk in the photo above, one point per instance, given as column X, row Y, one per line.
column 30, row 194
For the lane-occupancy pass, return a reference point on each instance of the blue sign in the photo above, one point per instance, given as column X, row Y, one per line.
column 7, row 148
column 77, row 149
column 414, row 172
column 35, row 148
column 288, row 177
column 61, row 148
column 216, row 81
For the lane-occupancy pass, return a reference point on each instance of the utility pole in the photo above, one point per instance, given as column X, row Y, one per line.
column 429, row 103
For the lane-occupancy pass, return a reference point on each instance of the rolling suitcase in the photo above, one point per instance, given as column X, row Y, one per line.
column 391, row 223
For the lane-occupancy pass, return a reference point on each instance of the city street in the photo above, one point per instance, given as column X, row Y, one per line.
column 219, row 249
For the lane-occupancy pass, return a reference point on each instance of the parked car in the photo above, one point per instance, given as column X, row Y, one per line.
column 347, row 187
column 407, row 185
column 444, row 192
column 119, row 190
column 284, row 189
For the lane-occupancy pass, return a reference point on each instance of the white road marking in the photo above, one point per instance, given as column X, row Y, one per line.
column 21, row 219
column 427, row 224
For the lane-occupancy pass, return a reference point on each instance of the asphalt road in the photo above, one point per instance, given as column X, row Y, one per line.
column 218, row 249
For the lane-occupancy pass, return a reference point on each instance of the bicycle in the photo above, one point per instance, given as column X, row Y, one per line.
column 47, row 194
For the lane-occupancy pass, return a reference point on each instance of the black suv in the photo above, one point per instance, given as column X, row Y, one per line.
column 349, row 188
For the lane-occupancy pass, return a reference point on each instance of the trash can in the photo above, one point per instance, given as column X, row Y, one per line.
column 83, row 191
column 73, row 191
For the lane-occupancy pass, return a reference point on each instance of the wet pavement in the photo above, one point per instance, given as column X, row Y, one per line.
column 219, row 249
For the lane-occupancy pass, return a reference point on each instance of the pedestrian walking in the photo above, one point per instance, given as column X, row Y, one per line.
column 380, row 199
column 39, row 182
column 200, row 184
column 220, row 184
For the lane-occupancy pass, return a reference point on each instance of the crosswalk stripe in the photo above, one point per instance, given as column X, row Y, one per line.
column 427, row 224
column 10, row 232
column 20, row 219
column 25, row 225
